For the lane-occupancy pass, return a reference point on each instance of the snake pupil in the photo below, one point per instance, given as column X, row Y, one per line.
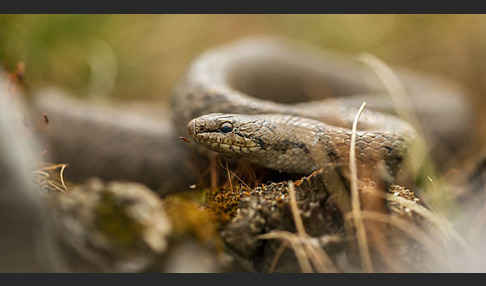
column 226, row 127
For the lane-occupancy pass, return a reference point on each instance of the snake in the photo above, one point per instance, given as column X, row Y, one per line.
column 290, row 108
column 277, row 103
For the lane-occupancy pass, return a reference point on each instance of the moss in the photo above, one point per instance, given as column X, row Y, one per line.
column 224, row 202
column 191, row 218
column 114, row 222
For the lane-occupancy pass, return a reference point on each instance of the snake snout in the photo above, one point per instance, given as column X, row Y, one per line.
column 192, row 127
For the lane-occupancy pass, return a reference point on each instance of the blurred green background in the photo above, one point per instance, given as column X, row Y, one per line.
column 141, row 56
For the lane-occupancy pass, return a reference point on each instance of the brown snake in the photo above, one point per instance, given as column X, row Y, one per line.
column 229, row 101
column 308, row 98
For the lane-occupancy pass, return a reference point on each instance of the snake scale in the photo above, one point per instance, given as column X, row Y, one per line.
column 291, row 109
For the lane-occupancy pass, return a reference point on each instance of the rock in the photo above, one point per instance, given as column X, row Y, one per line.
column 110, row 227
column 126, row 227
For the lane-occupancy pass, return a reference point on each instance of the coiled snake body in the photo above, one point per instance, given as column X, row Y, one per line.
column 281, row 105
column 258, row 99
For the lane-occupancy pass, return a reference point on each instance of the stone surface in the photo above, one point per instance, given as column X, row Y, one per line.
column 113, row 227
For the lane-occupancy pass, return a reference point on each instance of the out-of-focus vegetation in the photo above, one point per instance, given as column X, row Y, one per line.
column 141, row 56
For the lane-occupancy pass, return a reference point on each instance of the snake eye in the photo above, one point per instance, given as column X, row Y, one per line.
column 226, row 127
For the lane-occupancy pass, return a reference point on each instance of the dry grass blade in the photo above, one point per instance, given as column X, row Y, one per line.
column 320, row 259
column 229, row 177
column 295, row 211
column 395, row 88
column 301, row 253
column 230, row 173
column 418, row 150
column 442, row 224
column 408, row 228
column 44, row 177
column 277, row 256
column 306, row 249
column 294, row 241
column 401, row 102
column 355, row 204
column 61, row 176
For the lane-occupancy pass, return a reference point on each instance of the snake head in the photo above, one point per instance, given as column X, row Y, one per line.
column 230, row 134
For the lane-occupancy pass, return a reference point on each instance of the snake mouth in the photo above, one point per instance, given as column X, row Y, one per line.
column 212, row 138
column 222, row 144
